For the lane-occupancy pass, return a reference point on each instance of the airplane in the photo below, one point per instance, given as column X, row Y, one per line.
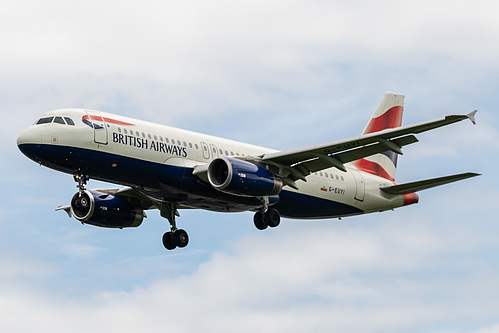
column 170, row 169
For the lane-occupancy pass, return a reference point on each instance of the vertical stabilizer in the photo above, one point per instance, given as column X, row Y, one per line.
column 388, row 114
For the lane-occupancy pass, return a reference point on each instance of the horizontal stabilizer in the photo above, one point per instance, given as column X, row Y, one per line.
column 426, row 184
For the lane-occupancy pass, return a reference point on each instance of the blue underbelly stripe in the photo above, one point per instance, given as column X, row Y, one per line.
column 175, row 183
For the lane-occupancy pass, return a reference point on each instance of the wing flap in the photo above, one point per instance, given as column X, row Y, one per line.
column 384, row 145
column 324, row 161
column 426, row 184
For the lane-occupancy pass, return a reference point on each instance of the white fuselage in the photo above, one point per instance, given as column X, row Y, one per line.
column 132, row 152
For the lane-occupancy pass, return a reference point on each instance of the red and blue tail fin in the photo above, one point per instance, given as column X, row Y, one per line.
column 388, row 114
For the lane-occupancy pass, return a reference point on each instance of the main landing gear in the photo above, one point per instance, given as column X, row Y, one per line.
column 270, row 218
column 176, row 237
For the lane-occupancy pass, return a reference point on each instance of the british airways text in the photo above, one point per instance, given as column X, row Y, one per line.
column 133, row 141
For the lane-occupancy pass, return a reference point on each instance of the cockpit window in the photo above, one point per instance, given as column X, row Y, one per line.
column 44, row 120
column 69, row 121
column 59, row 120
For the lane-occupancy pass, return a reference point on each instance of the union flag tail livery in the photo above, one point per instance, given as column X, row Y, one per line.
column 388, row 115
column 170, row 169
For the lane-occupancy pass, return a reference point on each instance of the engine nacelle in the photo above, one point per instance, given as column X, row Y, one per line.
column 105, row 210
column 242, row 178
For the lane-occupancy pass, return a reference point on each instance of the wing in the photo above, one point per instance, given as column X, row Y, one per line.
column 299, row 163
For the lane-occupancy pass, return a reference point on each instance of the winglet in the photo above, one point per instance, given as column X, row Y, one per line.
column 471, row 116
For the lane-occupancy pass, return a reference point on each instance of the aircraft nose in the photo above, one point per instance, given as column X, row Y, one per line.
column 30, row 135
column 28, row 140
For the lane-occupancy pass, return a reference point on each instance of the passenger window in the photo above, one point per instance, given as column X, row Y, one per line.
column 69, row 121
column 126, row 132
column 160, row 138
column 190, row 145
column 185, row 144
column 119, row 129
column 178, row 141
column 226, row 153
column 149, row 136
column 155, row 138
column 44, row 120
column 196, row 145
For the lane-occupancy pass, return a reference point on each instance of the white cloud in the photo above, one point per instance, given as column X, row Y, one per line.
column 323, row 278
column 491, row 329
column 165, row 60
column 229, row 42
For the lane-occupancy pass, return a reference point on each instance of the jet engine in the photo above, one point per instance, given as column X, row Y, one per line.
column 242, row 178
column 105, row 210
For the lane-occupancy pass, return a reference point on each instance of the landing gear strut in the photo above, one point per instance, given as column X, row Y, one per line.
column 81, row 179
column 175, row 237
column 270, row 218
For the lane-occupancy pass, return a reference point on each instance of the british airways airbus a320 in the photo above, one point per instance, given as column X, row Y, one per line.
column 171, row 169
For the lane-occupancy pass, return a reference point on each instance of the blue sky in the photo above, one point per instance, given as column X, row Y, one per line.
column 284, row 74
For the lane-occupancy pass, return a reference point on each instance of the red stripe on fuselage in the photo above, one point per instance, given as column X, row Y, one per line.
column 390, row 119
column 107, row 120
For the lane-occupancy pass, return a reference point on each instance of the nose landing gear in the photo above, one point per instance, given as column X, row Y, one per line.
column 81, row 179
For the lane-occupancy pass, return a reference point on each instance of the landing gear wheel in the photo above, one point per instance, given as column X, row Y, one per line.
column 259, row 221
column 168, row 241
column 177, row 238
column 272, row 217
column 180, row 238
